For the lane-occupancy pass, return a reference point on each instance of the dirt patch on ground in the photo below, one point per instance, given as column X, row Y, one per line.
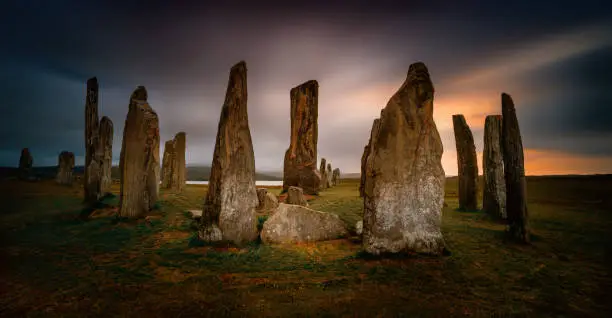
column 325, row 250
column 172, row 275
column 104, row 212
column 172, row 236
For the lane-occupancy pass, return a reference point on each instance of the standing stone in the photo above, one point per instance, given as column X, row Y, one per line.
column 323, row 173
column 301, row 157
column 180, row 169
column 494, row 191
column 65, row 166
column 106, row 152
column 514, row 171
column 261, row 197
column 139, row 161
column 404, row 188
column 267, row 200
column 328, row 175
column 229, row 207
column 295, row 196
column 173, row 174
column 364, row 157
column 366, row 154
column 467, row 164
column 168, row 163
column 25, row 164
column 91, row 178
column 336, row 177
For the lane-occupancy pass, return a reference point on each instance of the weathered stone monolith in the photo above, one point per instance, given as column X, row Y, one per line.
column 180, row 168
column 336, row 177
column 323, row 173
column 106, row 153
column 25, row 164
column 514, row 172
column 404, row 188
column 295, row 196
column 173, row 172
column 65, row 167
column 229, row 207
column 267, row 200
column 328, row 175
column 92, row 172
column 168, row 163
column 494, row 189
column 467, row 164
column 139, row 161
column 366, row 154
column 301, row 158
column 364, row 157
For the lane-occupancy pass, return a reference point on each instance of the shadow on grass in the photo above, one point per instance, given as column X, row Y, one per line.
column 503, row 235
column 464, row 210
column 363, row 255
column 195, row 241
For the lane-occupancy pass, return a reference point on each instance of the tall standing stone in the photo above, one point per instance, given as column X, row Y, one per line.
column 65, row 167
column 168, row 162
column 364, row 157
column 323, row 172
column 180, row 174
column 106, row 154
column 229, row 207
column 514, row 171
column 139, row 161
column 366, row 154
column 301, row 158
column 467, row 164
column 328, row 175
column 173, row 173
column 25, row 163
column 494, row 190
column 404, row 188
column 92, row 171
column 336, row 177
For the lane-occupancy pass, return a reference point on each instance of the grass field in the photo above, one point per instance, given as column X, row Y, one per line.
column 55, row 263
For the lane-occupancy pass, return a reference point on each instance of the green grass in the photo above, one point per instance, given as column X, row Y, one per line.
column 58, row 264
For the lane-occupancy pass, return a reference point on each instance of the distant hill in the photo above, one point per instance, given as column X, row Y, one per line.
column 194, row 173
column 350, row 175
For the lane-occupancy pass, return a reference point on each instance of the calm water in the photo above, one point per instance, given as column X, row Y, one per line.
column 259, row 183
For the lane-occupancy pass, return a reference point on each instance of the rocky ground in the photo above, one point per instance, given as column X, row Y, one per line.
column 56, row 262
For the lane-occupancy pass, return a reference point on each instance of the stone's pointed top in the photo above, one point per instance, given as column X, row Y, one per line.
column 506, row 98
column 307, row 84
column 419, row 81
column 140, row 94
column 169, row 144
column 459, row 119
column 66, row 155
column 92, row 83
column 106, row 121
column 180, row 133
column 418, row 67
column 239, row 67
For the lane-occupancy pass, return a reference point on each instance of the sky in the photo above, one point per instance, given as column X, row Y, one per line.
column 552, row 57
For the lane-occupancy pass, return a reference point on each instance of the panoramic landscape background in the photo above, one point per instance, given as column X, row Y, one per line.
column 551, row 56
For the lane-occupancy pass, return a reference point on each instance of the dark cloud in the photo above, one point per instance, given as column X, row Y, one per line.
column 359, row 52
